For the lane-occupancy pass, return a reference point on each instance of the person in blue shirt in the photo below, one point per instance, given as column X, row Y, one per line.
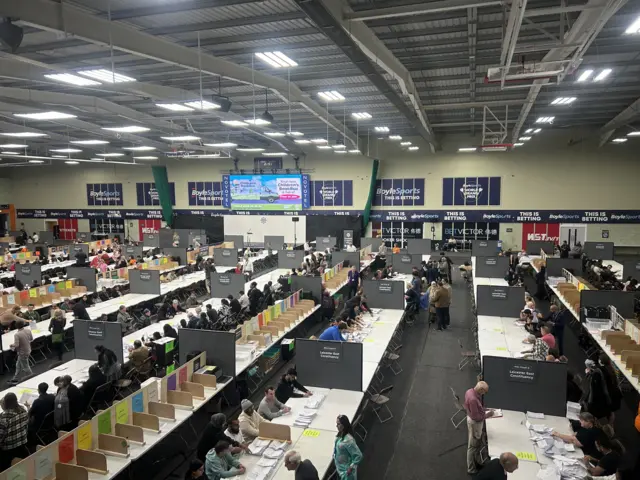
column 353, row 281
column 334, row 332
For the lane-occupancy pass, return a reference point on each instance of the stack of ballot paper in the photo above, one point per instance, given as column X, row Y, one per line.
column 573, row 410
column 315, row 401
column 304, row 418
column 258, row 446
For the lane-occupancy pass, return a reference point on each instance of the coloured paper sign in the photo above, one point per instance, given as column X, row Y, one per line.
column 19, row 472
column 104, row 422
column 152, row 391
column 170, row 369
column 66, row 449
column 528, row 456
column 171, row 382
column 85, row 436
column 137, row 403
column 182, row 375
column 311, row 433
column 68, row 284
column 33, row 293
column 122, row 412
column 43, row 462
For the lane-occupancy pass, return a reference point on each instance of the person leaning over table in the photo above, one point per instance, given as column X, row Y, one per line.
column 584, row 437
column 346, row 454
column 249, row 420
column 31, row 314
column 213, row 434
column 270, row 407
column 108, row 363
column 539, row 350
column 609, row 461
column 334, row 332
column 287, row 386
column 497, row 468
column 476, row 416
column 220, row 463
column 14, row 422
column 595, row 396
column 304, row 469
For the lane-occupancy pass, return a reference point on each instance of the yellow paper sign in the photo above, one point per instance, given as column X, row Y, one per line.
column 68, row 284
column 84, row 436
column 122, row 412
column 35, row 330
column 369, row 340
column 501, row 349
column 33, row 293
column 497, row 330
column 528, row 456
column 311, row 433
column 165, row 260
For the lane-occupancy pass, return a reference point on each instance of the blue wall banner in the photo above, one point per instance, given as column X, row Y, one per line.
column 147, row 195
column 306, row 191
column 104, row 194
column 397, row 192
column 331, row 193
column 471, row 191
column 205, row 194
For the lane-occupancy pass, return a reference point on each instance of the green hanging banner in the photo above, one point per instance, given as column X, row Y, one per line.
column 161, row 178
column 372, row 192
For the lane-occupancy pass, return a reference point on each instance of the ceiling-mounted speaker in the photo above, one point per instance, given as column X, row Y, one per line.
column 224, row 102
column 10, row 35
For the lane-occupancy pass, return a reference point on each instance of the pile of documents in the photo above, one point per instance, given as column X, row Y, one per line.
column 270, row 451
column 304, row 418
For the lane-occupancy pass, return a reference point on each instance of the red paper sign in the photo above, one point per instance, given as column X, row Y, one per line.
column 182, row 375
column 66, row 449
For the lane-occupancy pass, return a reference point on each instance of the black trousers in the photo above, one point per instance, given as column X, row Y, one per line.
column 59, row 348
column 7, row 455
column 442, row 313
column 559, row 333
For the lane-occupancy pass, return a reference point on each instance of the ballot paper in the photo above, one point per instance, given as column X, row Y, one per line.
column 272, row 453
column 497, row 413
column 277, row 445
column 315, row 401
column 28, row 398
column 259, row 473
column 258, row 445
column 549, row 473
column 573, row 411
column 538, row 416
column 267, row 462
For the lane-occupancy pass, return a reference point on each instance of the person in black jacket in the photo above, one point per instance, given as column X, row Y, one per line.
column 287, row 386
column 169, row 331
column 234, row 303
column 611, row 381
column 88, row 388
column 41, row 407
column 255, row 297
column 80, row 311
column 214, row 433
column 76, row 402
column 212, row 314
column 498, row 468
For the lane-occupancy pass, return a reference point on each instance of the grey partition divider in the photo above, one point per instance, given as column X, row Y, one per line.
column 15, row 233
column 491, row 267
column 223, row 284
column 420, row 246
column 484, row 248
column 273, row 242
column 28, row 272
column 349, row 258
column 225, row 257
column 79, row 247
column 329, row 364
column 290, row 258
column 166, row 237
column 405, row 262
column 134, row 251
column 374, row 242
column 85, row 275
column 623, row 301
column 499, row 301
column 309, row 284
column 90, row 333
column 599, row 250
column 46, row 237
column 524, row 385
column 199, row 235
column 238, row 241
column 322, row 243
column 534, row 247
column 555, row 266
column 384, row 293
column 177, row 252
column 144, row 281
column 83, row 236
column 151, row 240
column 220, row 347
column 631, row 268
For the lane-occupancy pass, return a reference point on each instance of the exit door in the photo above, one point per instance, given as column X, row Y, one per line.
column 573, row 234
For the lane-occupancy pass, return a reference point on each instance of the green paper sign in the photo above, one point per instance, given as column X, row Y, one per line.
column 104, row 422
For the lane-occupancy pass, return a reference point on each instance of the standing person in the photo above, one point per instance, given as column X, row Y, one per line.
column 416, row 282
column 441, row 301
column 108, row 363
column 41, row 407
column 14, row 424
column 353, row 280
column 346, row 454
column 611, row 380
column 123, row 318
column 541, row 278
column 270, row 407
column 475, row 422
column 22, row 346
column 56, row 327
column 80, row 311
column 595, row 397
column 304, row 469
column 564, row 250
column 444, row 266
column 31, row 314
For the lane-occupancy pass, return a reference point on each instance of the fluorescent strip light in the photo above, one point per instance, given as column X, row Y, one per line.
column 584, row 76
column 354, row 151
column 276, row 59
column 36, row 161
column 114, row 154
column 467, row 149
column 13, row 145
column 494, row 148
column 603, row 74
column 65, row 150
column 361, row 115
column 338, row 146
column 274, row 154
column 206, row 155
column 202, row 105
column 222, row 145
column 545, row 119
column 340, row 151
column 250, row 149
column 564, row 101
column 139, row 149
column 382, row 129
column 295, row 134
column 89, row 142
column 524, row 139
column 257, row 121
column 414, row 148
column 633, row 28
column 24, row 134
column 71, row 162
column 44, row 115
column 324, row 147
column 302, row 142
column 59, row 156
column 234, row 123
column 519, row 144
column 529, row 130
column 619, row 140
column 395, row 137
column 72, row 79
column 11, row 153
column 319, row 140
column 405, row 144
column 145, row 158
column 181, row 138
column 107, row 76
column 630, row 134
column 174, row 107
column 274, row 134
column 537, row 130
column 128, row 129
column 332, row 96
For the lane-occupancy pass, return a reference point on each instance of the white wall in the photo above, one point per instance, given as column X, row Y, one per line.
column 5, row 190
column 259, row 226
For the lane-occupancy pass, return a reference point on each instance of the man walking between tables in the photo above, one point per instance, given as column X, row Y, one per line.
column 476, row 415
column 22, row 347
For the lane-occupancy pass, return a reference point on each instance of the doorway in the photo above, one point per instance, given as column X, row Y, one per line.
column 573, row 233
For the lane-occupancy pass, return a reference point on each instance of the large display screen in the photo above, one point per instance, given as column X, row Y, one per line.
column 266, row 192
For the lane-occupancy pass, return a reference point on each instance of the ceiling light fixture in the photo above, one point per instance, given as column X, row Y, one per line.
column 250, row 149
column 545, row 119
column 524, row 139
column 537, row 130
column 295, row 134
column 72, row 79
column 635, row 133
column 107, row 76
column 302, row 141
column 202, row 105
column 405, row 144
column 584, row 76
column 332, row 96
column 72, row 162
column 519, row 144
column 355, row 150
column 144, row 157
column 65, row 150
column 36, row 161
column 633, row 28
column 395, row 137
column 13, row 145
column 467, row 149
column 603, row 74
column 257, row 121
column 619, row 140
column 361, row 115
column 181, row 138
column 340, row 151
column 139, row 149
column 564, row 101
column 319, row 140
column 274, row 154
column 59, row 156
column 382, row 129
column 174, row 107
column 24, row 134
column 89, row 142
column 276, row 59
column 127, row 129
column 44, row 115
column 274, row 134
column 11, row 153
column 414, row 148
column 113, row 154
column 234, row 123
column 222, row 145
column 324, row 147
column 338, row 146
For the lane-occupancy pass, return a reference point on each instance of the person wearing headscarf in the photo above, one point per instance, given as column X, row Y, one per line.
column 214, row 433
column 595, row 397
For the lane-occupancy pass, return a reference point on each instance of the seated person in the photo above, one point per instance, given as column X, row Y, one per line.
column 174, row 309
column 214, row 433
column 334, row 332
column 608, row 463
column 88, row 388
column 194, row 318
column 288, row 385
column 41, row 407
column 233, row 431
column 546, row 335
column 220, row 463
column 270, row 407
column 539, row 350
column 249, row 420
column 169, row 331
column 584, row 437
column 138, row 355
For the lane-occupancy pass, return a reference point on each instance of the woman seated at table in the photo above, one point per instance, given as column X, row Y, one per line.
column 611, row 451
column 584, row 437
column 88, row 388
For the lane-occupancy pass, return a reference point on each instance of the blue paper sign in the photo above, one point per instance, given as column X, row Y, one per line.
column 137, row 403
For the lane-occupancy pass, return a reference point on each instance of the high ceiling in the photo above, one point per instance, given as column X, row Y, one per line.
column 419, row 68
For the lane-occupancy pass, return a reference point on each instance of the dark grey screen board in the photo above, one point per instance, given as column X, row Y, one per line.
column 199, row 235
column 238, row 241
column 178, row 252
column 322, row 243
column 349, row 258
column 384, row 293
column 79, row 247
column 534, row 247
column 225, row 257
column 555, row 266
column 290, row 258
column 329, row 364
column 220, row 347
column 83, row 236
column 144, row 281
column 491, row 267
column 134, row 251
column 308, row 284
column 623, row 301
column 404, row 262
column 374, row 242
column 28, row 272
column 631, row 268
column 223, row 284
column 499, row 301
column 85, row 275
column 484, row 248
column 167, row 240
column 90, row 333
column 420, row 246
column 524, row 385
column 273, row 242
column 599, row 250
column 151, row 240
column 46, row 237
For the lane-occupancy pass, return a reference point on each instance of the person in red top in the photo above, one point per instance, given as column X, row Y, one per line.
column 547, row 336
column 476, row 416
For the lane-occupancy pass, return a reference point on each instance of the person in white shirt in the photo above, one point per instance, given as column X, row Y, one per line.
column 36, row 237
column 351, row 248
column 306, row 247
column 233, row 431
column 244, row 300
